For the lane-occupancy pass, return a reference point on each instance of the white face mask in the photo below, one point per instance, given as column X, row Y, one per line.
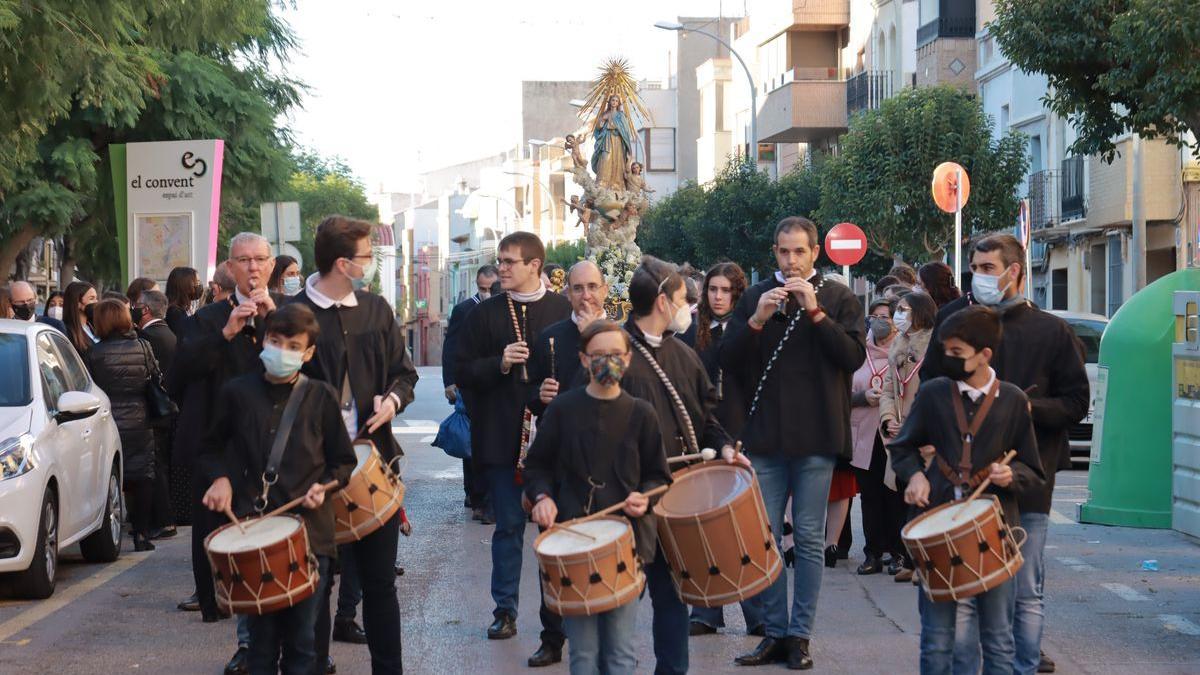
column 986, row 288
column 902, row 321
column 682, row 319
column 55, row 313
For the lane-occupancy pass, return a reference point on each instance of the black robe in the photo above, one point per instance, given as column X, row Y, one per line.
column 805, row 404
column 368, row 340
column 458, row 319
column 1041, row 355
column 497, row 400
column 566, row 361
column 732, row 401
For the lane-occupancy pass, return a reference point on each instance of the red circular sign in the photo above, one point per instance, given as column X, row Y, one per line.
column 846, row 244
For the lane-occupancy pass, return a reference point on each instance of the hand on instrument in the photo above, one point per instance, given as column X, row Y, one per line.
column 315, row 497
column 262, row 301
column 544, row 512
column 451, row 394
column 636, row 504
column 237, row 320
column 873, row 396
column 1001, row 475
column 517, row 352
column 548, row 391
column 917, row 492
column 219, row 496
column 805, row 292
column 385, row 410
column 732, row 456
column 891, row 428
column 768, row 304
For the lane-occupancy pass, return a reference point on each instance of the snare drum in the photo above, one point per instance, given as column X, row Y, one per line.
column 371, row 497
column 714, row 530
column 962, row 549
column 584, row 577
column 264, row 569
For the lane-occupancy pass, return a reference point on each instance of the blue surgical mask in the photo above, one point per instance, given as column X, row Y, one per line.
column 368, row 273
column 281, row 363
column 986, row 288
column 291, row 285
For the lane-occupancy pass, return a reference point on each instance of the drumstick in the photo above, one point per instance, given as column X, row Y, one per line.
column 234, row 519
column 620, row 505
column 706, row 454
column 559, row 526
column 986, row 482
column 296, row 502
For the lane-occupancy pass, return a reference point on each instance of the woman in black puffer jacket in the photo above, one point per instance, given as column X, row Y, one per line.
column 122, row 365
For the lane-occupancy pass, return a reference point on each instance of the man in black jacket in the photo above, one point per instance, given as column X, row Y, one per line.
column 586, row 290
column 223, row 342
column 148, row 312
column 473, row 486
column 24, row 305
column 800, row 339
column 1040, row 354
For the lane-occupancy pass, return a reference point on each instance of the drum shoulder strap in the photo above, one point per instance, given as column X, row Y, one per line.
column 287, row 421
column 684, row 419
column 968, row 431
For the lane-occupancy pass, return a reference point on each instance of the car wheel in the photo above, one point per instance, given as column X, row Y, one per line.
column 37, row 582
column 104, row 545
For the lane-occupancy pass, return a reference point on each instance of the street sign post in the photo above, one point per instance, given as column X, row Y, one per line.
column 951, row 189
column 846, row 245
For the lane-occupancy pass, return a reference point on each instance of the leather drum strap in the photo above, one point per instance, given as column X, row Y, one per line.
column 968, row 431
column 287, row 421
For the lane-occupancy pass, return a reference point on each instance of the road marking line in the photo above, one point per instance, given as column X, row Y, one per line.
column 417, row 423
column 1076, row 564
column 409, row 431
column 1179, row 624
column 427, row 439
column 1126, row 593
column 46, row 607
column 1059, row 519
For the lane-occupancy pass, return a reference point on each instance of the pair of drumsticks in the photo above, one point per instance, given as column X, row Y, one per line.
column 286, row 507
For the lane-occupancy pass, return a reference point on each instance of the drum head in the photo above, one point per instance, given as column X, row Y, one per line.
column 259, row 534
column 561, row 542
column 704, row 489
column 949, row 517
column 362, row 453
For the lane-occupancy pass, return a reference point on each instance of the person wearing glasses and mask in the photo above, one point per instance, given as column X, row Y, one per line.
column 24, row 306
column 493, row 373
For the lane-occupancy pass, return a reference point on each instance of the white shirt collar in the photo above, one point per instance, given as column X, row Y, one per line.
column 241, row 299
column 320, row 299
column 151, row 322
column 653, row 340
column 716, row 323
column 783, row 280
column 974, row 393
column 529, row 297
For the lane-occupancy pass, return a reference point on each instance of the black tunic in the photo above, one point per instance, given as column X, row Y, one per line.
column 805, row 405
column 1007, row 427
column 498, row 400
column 366, row 342
column 566, row 361
column 458, row 319
column 614, row 442
column 732, row 398
column 238, row 443
column 1041, row 355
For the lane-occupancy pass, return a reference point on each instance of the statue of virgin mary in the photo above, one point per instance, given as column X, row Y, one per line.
column 613, row 146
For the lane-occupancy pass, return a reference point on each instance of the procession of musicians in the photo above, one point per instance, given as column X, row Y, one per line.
column 703, row 453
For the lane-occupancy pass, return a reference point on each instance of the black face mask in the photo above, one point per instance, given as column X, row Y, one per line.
column 955, row 367
column 137, row 314
column 89, row 312
column 23, row 312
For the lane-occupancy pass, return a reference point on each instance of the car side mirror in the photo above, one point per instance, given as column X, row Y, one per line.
column 76, row 405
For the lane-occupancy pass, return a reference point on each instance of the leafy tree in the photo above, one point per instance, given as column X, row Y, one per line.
column 880, row 180
column 1113, row 65
column 323, row 187
column 566, row 253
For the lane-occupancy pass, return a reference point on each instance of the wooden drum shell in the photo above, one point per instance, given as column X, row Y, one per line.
column 372, row 495
column 259, row 581
column 593, row 581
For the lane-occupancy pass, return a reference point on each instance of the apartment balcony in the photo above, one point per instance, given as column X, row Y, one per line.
column 867, row 90
column 946, row 27
column 802, row 106
column 1072, row 188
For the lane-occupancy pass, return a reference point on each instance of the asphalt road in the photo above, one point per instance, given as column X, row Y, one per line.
column 1105, row 614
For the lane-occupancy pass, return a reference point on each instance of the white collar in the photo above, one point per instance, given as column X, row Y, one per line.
column 575, row 318
column 716, row 323
column 324, row 301
column 529, row 297
column 783, row 280
column 974, row 393
column 241, row 299
column 653, row 340
column 151, row 322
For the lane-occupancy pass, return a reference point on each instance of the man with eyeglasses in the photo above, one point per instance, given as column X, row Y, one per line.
column 493, row 370
column 224, row 342
column 586, row 289
column 24, row 305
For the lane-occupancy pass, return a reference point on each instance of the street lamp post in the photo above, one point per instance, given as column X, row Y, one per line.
column 676, row 26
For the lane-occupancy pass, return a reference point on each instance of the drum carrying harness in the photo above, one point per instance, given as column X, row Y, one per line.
column 961, row 476
column 684, row 419
column 271, row 475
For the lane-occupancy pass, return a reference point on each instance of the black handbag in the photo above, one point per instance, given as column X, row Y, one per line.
column 158, row 402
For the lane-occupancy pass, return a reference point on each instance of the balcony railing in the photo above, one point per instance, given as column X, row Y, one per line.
column 867, row 90
column 946, row 27
column 1072, row 189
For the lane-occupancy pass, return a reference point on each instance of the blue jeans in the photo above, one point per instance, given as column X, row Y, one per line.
column 349, row 590
column 670, row 625
column 714, row 617
column 1029, row 616
column 243, row 630
column 603, row 643
column 806, row 481
column 940, row 641
column 508, row 540
column 289, row 633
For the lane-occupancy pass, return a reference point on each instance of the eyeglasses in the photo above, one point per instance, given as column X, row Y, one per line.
column 510, row 262
column 592, row 288
column 245, row 260
column 365, row 256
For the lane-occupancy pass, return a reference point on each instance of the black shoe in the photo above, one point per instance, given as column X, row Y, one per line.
column 770, row 650
column 697, row 628
column 163, row 532
column 758, row 631
column 831, row 555
column 141, row 543
column 467, row 503
column 192, row 604
column 797, row 654
column 347, row 630
column 399, row 571
column 212, row 616
column 546, row 655
column 843, row 553
column 330, row 666
column 238, row 664
column 1046, row 665
column 789, row 556
column 503, row 628
column 872, row 565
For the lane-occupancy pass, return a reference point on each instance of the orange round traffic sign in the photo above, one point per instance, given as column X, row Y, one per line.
column 945, row 182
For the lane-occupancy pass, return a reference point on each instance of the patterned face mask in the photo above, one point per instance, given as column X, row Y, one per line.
column 606, row 369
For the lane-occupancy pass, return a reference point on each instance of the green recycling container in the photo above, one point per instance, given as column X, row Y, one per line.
column 1129, row 478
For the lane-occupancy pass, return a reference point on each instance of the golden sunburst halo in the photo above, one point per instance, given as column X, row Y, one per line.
column 615, row 79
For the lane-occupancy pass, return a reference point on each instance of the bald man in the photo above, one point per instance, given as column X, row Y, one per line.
column 586, row 290
column 24, row 304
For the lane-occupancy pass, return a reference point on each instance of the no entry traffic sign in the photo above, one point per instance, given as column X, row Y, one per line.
column 846, row 244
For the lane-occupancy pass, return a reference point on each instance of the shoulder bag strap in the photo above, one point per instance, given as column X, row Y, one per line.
column 287, row 421
column 683, row 418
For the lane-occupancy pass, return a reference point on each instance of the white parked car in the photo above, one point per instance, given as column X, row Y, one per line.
column 1089, row 328
column 60, row 459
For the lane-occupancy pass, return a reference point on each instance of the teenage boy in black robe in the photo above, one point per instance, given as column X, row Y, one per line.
column 582, row 441
column 248, row 413
column 586, row 290
column 493, row 372
column 362, row 355
column 969, row 338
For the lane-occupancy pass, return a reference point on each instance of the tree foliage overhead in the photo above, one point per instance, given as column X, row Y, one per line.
column 880, row 180
column 1113, row 65
column 323, row 186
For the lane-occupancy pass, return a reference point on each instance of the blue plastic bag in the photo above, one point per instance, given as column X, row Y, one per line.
column 454, row 433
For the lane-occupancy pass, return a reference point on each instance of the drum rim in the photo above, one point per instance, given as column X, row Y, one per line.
column 244, row 523
column 959, row 529
column 715, row 511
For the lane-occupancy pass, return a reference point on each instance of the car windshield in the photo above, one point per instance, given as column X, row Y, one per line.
column 14, row 363
column 1089, row 333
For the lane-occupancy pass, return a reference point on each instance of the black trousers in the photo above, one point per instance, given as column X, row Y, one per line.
column 162, row 513
column 139, row 494
column 883, row 509
column 474, row 486
column 203, row 523
column 375, row 561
